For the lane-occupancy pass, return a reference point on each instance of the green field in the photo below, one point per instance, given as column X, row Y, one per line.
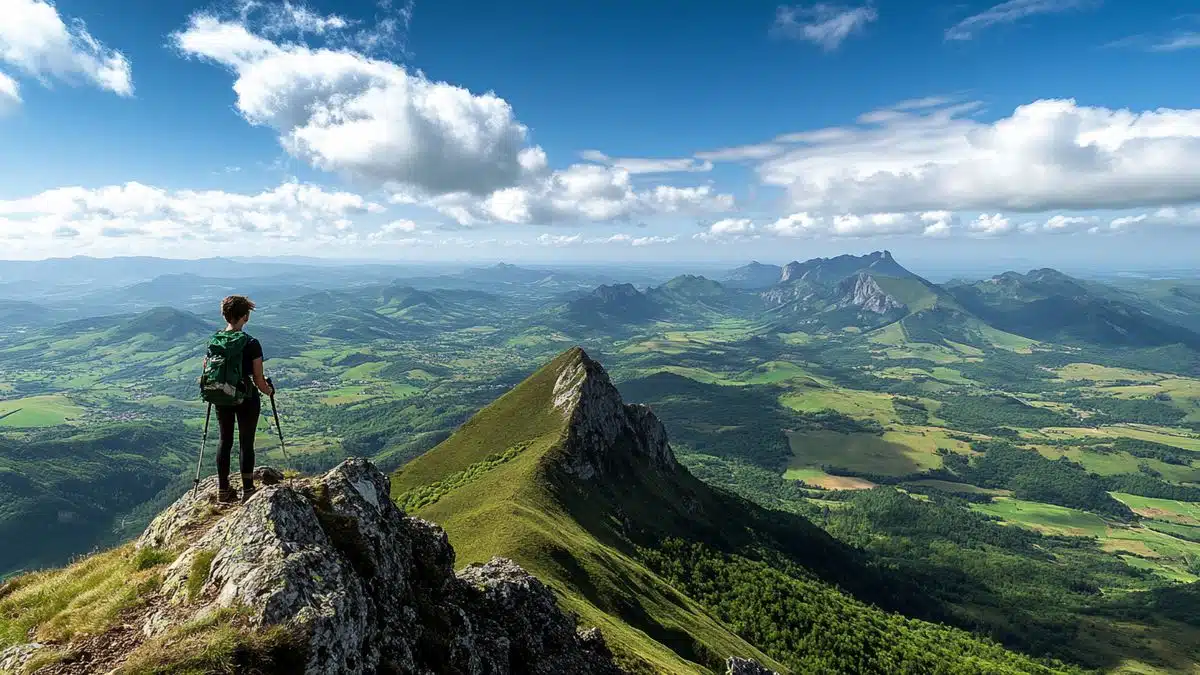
column 1187, row 513
column 855, row 403
column 857, row 452
column 38, row 411
column 1046, row 518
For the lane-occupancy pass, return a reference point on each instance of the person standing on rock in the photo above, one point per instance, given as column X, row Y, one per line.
column 233, row 378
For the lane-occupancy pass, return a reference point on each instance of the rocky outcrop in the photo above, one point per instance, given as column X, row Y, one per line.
column 736, row 665
column 358, row 585
column 863, row 291
column 600, row 426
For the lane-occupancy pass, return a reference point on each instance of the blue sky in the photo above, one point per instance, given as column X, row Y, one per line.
column 1041, row 131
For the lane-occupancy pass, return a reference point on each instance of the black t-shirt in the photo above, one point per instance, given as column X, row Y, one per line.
column 252, row 350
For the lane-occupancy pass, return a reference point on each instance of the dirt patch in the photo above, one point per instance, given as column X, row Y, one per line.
column 1135, row 547
column 105, row 651
column 841, row 483
column 1169, row 516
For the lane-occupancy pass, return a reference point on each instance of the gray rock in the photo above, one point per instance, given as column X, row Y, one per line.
column 366, row 588
column 864, row 292
column 16, row 656
column 598, row 420
column 736, row 665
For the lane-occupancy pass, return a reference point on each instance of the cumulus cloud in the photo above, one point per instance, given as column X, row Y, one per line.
column 824, row 24
column 1048, row 155
column 644, row 165
column 991, row 225
column 729, row 229
column 36, row 41
column 394, row 231
column 855, row 226
column 291, row 211
column 1164, row 217
column 374, row 120
column 581, row 192
column 1010, row 12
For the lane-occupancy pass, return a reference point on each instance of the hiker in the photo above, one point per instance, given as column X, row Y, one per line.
column 233, row 377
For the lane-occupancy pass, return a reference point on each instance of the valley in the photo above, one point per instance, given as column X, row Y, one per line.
column 1007, row 467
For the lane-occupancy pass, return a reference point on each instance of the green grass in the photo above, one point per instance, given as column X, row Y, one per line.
column 774, row 372
column 512, row 509
column 857, row 452
column 855, row 403
column 1091, row 371
column 1046, row 518
column 217, row 644
column 83, row 598
column 1179, row 438
column 1171, row 510
column 819, row 478
column 38, row 411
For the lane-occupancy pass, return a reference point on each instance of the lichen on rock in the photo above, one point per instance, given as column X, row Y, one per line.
column 366, row 587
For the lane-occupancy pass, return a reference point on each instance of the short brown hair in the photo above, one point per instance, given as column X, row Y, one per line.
column 235, row 307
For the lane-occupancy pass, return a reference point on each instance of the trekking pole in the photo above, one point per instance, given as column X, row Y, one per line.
column 203, row 442
column 279, row 429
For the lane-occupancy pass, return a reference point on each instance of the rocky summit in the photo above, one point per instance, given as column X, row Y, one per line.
column 600, row 425
column 336, row 572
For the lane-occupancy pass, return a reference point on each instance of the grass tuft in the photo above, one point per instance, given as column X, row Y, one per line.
column 83, row 599
column 218, row 644
column 201, row 566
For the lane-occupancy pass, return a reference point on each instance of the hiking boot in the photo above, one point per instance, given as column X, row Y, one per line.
column 247, row 487
column 227, row 495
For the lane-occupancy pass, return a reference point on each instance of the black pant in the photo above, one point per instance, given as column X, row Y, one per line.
column 246, row 415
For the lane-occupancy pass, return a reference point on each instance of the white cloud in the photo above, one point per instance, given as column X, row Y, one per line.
column 938, row 223
column 1164, row 217
column 10, row 94
column 1177, row 42
column 285, row 17
column 1047, row 155
column 394, row 231
column 291, row 211
column 581, row 192
column 824, row 24
column 1009, row 12
column 855, row 226
column 729, row 229
column 991, row 225
column 642, row 165
column 345, row 112
column 560, row 240
column 1060, row 224
column 36, row 41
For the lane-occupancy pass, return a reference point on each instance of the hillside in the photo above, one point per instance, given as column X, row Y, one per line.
column 754, row 275
column 1048, row 305
column 583, row 490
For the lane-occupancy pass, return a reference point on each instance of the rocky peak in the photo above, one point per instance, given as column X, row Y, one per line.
column 792, row 270
column 360, row 586
column 600, row 425
column 863, row 291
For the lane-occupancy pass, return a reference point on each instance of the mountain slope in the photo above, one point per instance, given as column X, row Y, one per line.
column 753, row 276
column 1048, row 305
column 501, row 485
column 583, row 490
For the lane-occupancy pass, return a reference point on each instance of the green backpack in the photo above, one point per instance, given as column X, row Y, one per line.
column 222, row 381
